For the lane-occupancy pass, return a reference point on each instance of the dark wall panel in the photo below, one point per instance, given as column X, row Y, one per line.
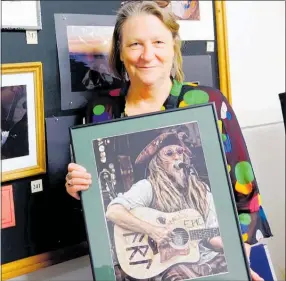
column 51, row 219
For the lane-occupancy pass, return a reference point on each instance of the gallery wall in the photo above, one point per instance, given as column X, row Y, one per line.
column 50, row 220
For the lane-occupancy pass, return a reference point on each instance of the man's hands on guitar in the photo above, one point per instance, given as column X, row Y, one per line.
column 161, row 234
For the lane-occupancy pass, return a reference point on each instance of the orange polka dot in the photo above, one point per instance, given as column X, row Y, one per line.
column 244, row 237
column 243, row 188
column 183, row 104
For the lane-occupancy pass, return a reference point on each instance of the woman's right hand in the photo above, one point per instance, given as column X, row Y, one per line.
column 77, row 179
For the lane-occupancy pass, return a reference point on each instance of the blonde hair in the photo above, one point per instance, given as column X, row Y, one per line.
column 150, row 8
column 168, row 197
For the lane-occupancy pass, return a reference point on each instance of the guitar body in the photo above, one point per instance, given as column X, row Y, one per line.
column 138, row 254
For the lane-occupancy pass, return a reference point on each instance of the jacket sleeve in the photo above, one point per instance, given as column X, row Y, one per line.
column 253, row 221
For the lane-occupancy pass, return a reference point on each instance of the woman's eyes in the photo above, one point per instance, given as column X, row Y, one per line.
column 137, row 44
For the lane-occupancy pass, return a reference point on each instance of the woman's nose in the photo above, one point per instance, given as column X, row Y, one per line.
column 147, row 53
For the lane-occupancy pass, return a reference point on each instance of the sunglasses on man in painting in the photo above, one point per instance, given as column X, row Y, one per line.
column 171, row 152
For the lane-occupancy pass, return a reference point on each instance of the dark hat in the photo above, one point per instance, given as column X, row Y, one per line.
column 164, row 139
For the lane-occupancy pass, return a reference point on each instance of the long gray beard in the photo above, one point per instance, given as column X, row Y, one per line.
column 179, row 178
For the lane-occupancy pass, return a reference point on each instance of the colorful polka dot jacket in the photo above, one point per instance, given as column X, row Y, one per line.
column 253, row 221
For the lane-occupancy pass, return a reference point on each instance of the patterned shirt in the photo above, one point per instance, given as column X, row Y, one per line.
column 253, row 221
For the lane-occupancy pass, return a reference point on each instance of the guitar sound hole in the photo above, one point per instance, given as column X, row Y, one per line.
column 180, row 237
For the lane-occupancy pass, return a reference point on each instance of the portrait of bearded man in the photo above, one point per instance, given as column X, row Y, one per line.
column 171, row 185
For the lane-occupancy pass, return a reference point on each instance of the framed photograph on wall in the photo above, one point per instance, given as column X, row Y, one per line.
column 83, row 44
column 22, row 121
column 160, row 196
column 23, row 15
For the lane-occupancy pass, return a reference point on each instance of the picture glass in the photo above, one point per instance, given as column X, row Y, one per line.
column 14, row 122
column 161, row 177
column 18, row 124
column 88, row 48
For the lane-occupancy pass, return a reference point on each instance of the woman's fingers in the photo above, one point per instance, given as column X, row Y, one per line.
column 78, row 181
column 78, row 174
column 74, row 189
column 73, row 166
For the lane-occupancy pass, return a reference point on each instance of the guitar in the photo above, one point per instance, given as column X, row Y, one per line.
column 141, row 258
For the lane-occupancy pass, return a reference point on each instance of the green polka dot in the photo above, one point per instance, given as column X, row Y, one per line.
column 245, row 219
column 98, row 109
column 243, row 172
column 223, row 136
column 176, row 88
column 196, row 97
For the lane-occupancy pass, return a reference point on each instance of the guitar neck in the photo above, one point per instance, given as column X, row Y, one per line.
column 199, row 234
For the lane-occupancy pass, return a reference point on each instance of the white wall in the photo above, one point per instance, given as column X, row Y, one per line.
column 257, row 59
column 256, row 38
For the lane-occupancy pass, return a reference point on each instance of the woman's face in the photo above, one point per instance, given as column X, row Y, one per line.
column 147, row 49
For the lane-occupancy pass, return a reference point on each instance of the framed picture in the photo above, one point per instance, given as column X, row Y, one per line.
column 195, row 17
column 22, row 121
column 23, row 15
column 83, row 43
column 160, row 198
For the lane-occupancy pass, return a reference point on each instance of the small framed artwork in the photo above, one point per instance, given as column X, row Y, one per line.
column 22, row 121
column 83, row 44
column 21, row 15
column 161, row 204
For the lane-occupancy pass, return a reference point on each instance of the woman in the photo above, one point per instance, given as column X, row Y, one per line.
column 146, row 54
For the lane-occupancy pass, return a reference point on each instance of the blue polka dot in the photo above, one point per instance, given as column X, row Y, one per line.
column 227, row 144
column 228, row 115
column 262, row 214
column 244, row 228
column 102, row 117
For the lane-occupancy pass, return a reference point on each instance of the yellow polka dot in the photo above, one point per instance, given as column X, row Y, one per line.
column 220, row 126
column 228, row 168
column 183, row 104
column 244, row 237
column 163, row 108
column 191, row 84
column 243, row 188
